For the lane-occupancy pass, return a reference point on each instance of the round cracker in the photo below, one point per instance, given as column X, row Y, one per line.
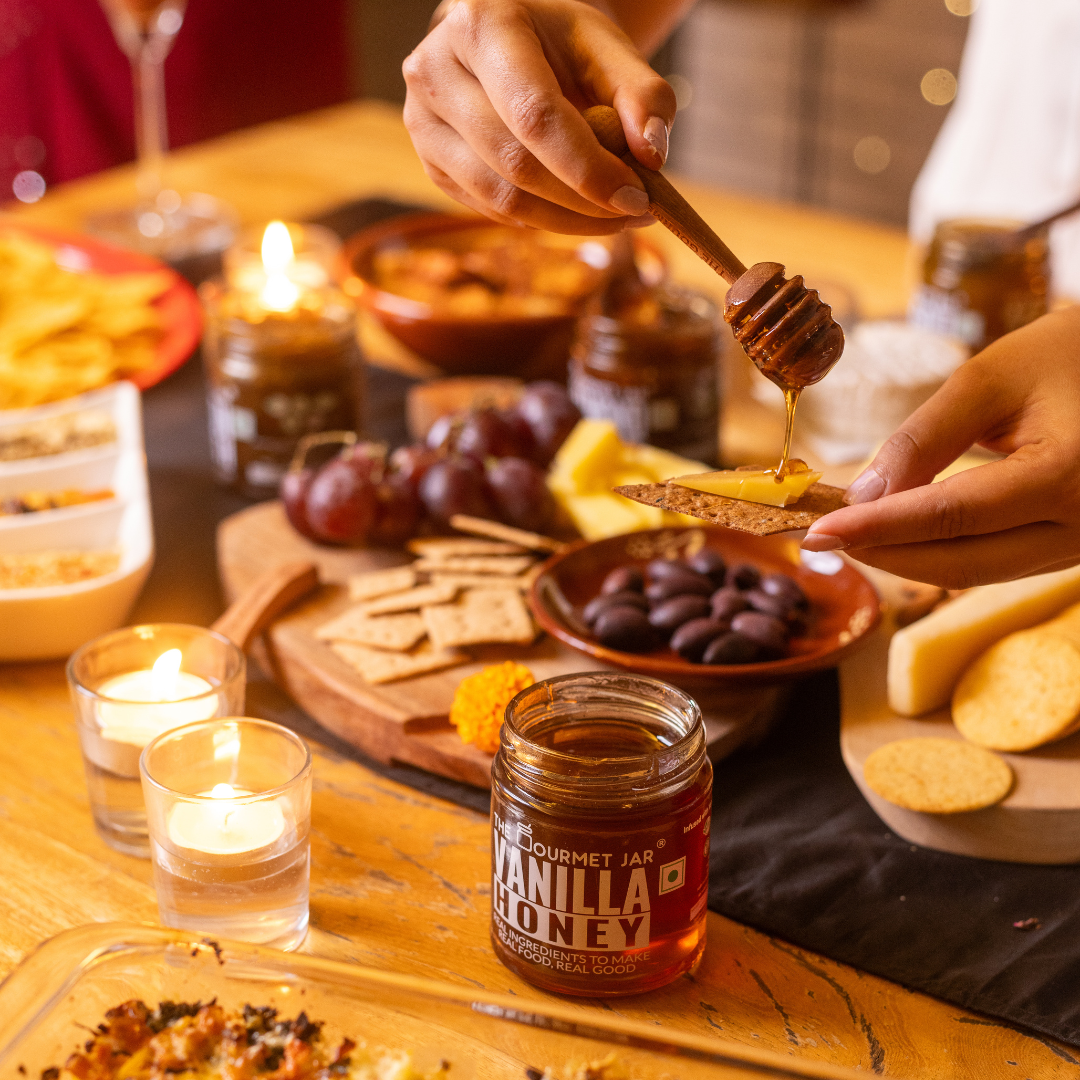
column 1021, row 693
column 937, row 776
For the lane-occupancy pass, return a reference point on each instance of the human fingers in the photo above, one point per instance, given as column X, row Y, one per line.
column 978, row 560
column 1028, row 486
column 452, row 165
column 957, row 416
column 464, row 106
column 539, row 65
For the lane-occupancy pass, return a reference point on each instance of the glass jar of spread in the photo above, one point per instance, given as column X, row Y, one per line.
column 981, row 280
column 275, row 376
column 600, row 811
column 653, row 368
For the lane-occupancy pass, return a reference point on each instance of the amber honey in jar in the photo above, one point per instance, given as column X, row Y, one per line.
column 275, row 376
column 600, row 811
column 981, row 280
column 652, row 367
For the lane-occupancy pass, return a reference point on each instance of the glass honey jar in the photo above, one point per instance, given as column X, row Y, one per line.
column 982, row 278
column 653, row 368
column 275, row 376
column 600, row 813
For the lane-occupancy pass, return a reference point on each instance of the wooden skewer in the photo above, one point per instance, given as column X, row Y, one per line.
column 665, row 203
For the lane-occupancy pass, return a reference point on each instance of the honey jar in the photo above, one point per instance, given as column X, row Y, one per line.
column 600, row 812
column 653, row 369
column 981, row 280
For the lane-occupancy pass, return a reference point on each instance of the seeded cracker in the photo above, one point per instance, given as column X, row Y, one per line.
column 449, row 547
column 376, row 666
column 480, row 616
column 411, row 599
column 381, row 582
column 503, row 565
column 738, row 514
column 937, row 776
column 394, row 632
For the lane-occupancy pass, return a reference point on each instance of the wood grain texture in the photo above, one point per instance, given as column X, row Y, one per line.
column 400, row 880
column 1037, row 822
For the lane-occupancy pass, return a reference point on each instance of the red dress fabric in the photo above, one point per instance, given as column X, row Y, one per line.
column 65, row 87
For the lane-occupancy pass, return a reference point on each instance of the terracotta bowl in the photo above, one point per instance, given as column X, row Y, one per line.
column 528, row 346
column 845, row 607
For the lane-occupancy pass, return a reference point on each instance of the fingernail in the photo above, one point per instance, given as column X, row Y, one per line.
column 865, row 488
column 656, row 135
column 813, row 541
column 630, row 200
column 642, row 222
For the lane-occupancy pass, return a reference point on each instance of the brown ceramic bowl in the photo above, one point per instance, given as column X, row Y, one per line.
column 528, row 346
column 844, row 605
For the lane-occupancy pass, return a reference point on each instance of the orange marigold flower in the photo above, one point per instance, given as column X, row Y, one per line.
column 481, row 700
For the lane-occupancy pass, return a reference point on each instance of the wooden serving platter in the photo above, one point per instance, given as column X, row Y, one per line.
column 1037, row 822
column 407, row 721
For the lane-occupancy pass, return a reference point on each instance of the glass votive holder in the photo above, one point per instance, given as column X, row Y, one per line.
column 129, row 686
column 228, row 803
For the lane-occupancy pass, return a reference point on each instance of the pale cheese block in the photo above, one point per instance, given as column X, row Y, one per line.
column 927, row 658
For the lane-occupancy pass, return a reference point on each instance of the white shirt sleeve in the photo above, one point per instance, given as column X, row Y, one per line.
column 1010, row 146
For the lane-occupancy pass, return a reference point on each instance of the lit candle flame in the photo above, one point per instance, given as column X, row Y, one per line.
column 279, row 293
column 163, row 675
column 222, row 791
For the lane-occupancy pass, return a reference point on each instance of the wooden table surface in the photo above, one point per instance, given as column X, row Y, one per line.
column 400, row 880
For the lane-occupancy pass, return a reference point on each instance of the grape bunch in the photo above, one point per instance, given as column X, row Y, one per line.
column 485, row 462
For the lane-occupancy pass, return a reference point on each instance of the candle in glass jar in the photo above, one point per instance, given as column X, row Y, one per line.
column 224, row 826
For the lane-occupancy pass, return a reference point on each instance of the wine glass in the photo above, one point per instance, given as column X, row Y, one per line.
column 162, row 222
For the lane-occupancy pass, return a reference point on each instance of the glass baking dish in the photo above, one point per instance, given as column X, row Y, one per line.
column 62, row 989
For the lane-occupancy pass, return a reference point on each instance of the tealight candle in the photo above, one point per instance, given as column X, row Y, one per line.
column 225, row 826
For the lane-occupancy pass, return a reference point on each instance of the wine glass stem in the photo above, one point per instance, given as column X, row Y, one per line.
column 151, row 134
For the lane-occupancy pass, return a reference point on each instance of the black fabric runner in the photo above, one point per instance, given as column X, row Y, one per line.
column 796, row 850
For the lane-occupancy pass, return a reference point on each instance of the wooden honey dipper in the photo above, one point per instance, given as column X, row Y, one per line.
column 786, row 329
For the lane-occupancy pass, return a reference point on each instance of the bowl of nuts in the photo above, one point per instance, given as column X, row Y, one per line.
column 701, row 604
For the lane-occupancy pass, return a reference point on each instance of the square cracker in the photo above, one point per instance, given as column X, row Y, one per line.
column 394, row 632
column 749, row 517
column 448, row 547
column 480, row 616
column 503, row 565
column 381, row 582
column 482, row 581
column 411, row 599
column 376, row 666
column 496, row 530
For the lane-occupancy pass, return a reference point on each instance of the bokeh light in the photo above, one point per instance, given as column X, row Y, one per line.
column 938, row 86
column 28, row 186
column 872, row 154
column 962, row 7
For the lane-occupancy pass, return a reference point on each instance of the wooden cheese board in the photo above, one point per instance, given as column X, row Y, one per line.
column 1037, row 822
column 407, row 721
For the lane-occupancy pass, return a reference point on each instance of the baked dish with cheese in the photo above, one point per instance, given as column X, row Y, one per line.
column 179, row 1041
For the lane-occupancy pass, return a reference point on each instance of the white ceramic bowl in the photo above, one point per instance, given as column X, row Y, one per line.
column 49, row 622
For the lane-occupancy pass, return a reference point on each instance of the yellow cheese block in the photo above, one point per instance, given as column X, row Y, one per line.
column 927, row 659
column 602, row 515
column 751, row 485
column 591, row 452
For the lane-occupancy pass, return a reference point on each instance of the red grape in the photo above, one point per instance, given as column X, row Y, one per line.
column 294, row 489
column 484, row 433
column 455, row 485
column 341, row 502
column 398, row 510
column 551, row 415
column 413, row 461
column 439, row 434
column 521, row 493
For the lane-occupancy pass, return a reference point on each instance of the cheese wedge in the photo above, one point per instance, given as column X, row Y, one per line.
column 751, row 485
column 927, row 658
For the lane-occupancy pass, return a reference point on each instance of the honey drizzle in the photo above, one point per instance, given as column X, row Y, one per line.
column 787, row 463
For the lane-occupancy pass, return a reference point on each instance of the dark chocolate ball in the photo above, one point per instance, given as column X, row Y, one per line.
column 693, row 637
column 730, row 648
column 625, row 628
column 623, row 579
column 670, row 614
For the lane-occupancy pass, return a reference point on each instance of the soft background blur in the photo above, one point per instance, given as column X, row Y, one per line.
column 833, row 103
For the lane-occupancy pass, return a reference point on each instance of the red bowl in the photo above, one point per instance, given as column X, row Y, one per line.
column 845, row 607
column 528, row 346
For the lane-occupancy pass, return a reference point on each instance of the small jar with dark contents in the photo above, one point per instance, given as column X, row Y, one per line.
column 275, row 376
column 981, row 280
column 652, row 367
column 600, row 811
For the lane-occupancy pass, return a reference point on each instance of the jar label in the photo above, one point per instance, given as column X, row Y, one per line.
column 591, row 902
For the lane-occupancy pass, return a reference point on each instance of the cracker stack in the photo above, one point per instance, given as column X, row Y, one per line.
column 414, row 619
